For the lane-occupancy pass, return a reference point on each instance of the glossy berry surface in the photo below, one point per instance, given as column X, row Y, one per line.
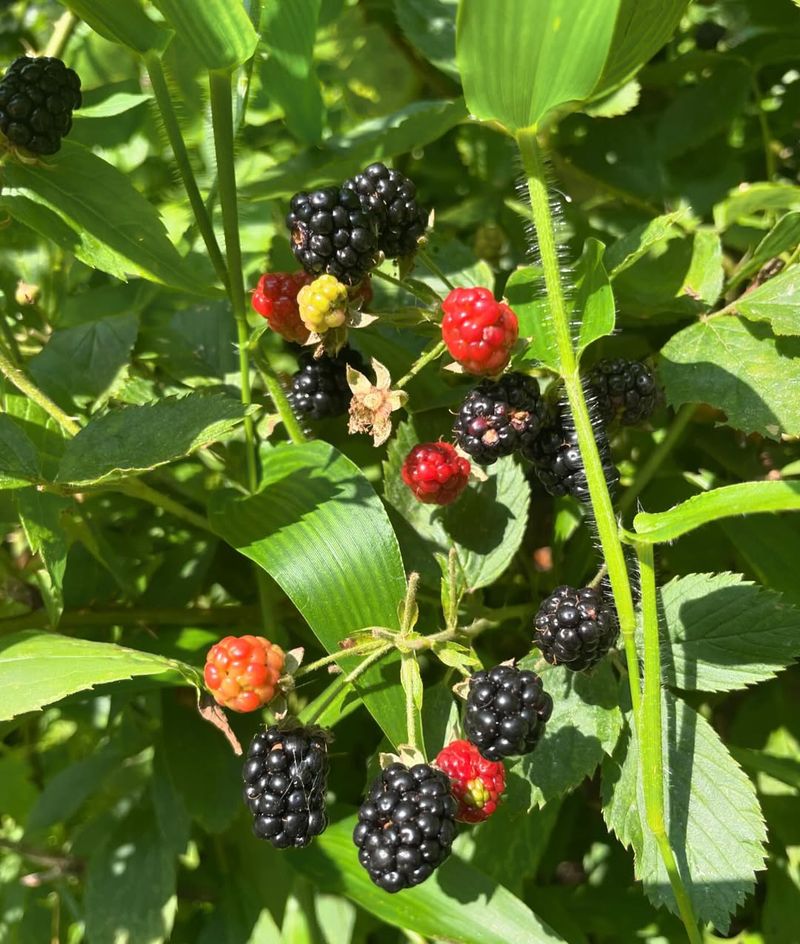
column 319, row 388
column 285, row 779
column 575, row 628
column 499, row 417
column 475, row 782
column 275, row 298
column 435, row 473
column 330, row 232
column 392, row 198
column 507, row 710
column 242, row 672
column 406, row 826
column 479, row 332
column 625, row 390
column 37, row 98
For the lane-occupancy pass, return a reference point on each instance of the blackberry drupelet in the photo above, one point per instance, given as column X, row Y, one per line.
column 37, row 98
column 332, row 233
column 406, row 825
column 285, row 777
column 575, row 628
column 392, row 198
column 626, row 389
column 499, row 417
column 507, row 710
column 557, row 459
column 319, row 388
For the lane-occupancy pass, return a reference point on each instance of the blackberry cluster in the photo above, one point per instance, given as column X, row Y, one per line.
column 319, row 388
column 392, row 199
column 406, row 826
column 37, row 98
column 575, row 628
column 557, row 459
column 285, row 777
column 332, row 233
column 507, row 710
column 499, row 417
column 624, row 389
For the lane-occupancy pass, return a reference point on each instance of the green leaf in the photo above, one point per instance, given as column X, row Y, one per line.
column 430, row 25
column 86, row 363
column 135, row 439
column 109, row 224
column 517, row 68
column 748, row 202
column 37, row 669
column 640, row 240
column 713, row 819
column 616, row 103
column 740, row 368
column 43, row 431
column 288, row 31
column 318, row 528
column 641, row 29
column 777, row 301
column 784, row 769
column 485, row 525
column 115, row 104
column 585, row 725
column 197, row 345
column 724, row 632
column 525, row 293
column 40, row 514
column 783, row 237
column 218, row 32
column 19, row 464
column 125, row 23
column 130, row 885
column 486, row 914
column 593, row 308
column 746, row 498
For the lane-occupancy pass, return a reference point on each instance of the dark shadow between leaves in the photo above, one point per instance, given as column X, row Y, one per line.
column 478, row 522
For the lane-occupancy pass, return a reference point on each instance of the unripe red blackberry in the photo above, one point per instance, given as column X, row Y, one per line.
column 575, row 628
column 479, row 331
column 435, row 473
column 242, row 672
column 37, row 98
column 285, row 779
column 475, row 782
column 406, row 826
column 275, row 298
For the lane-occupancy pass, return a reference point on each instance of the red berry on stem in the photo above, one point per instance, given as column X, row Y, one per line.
column 478, row 330
column 242, row 672
column 275, row 298
column 435, row 473
column 475, row 782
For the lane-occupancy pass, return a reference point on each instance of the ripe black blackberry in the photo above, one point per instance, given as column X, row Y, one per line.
column 319, row 388
column 285, row 777
column 37, row 98
column 557, row 459
column 626, row 389
column 575, row 628
column 499, row 417
column 392, row 198
column 332, row 232
column 406, row 825
column 507, row 710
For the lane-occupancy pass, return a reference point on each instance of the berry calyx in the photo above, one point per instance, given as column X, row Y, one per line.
column 275, row 298
column 435, row 473
column 507, row 710
column 624, row 389
column 285, row 779
column 323, row 304
column 37, row 98
column 575, row 628
column 475, row 782
column 242, row 672
column 406, row 825
column 478, row 330
column 499, row 417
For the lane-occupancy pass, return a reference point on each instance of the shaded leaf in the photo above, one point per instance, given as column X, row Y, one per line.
column 638, row 242
column 40, row 514
column 430, row 25
column 593, row 307
column 218, row 32
column 19, row 464
column 125, row 23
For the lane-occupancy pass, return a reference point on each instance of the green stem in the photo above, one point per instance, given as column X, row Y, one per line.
column 345, row 680
column 598, row 490
column 431, row 353
column 161, row 91
column 25, row 385
column 650, row 731
column 131, row 616
column 411, row 710
column 656, row 458
column 277, row 395
column 426, row 260
column 136, row 488
column 384, row 276
column 409, row 603
column 62, row 31
column 222, row 121
column 336, row 656
column 766, row 137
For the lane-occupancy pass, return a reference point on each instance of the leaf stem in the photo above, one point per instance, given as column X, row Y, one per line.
column 763, row 123
column 426, row 260
column 158, row 81
column 25, row 385
column 650, row 732
column 345, row 680
column 136, row 488
column 363, row 649
column 411, row 708
column 602, row 506
column 432, row 352
column 275, row 389
column 378, row 274
column 62, row 31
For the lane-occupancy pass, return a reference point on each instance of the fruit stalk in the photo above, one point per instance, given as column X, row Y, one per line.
column 650, row 733
column 598, row 490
